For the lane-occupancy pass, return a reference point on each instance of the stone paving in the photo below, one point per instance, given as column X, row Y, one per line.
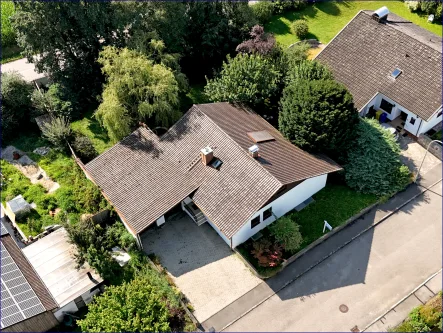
column 412, row 155
column 201, row 264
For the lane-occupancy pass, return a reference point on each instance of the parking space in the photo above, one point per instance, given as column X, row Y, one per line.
column 201, row 264
column 412, row 155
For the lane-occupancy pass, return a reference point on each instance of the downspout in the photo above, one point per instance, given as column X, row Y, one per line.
column 139, row 242
column 418, row 129
column 231, row 243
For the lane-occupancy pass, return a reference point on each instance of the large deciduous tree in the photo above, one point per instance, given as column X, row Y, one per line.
column 260, row 43
column 318, row 116
column 63, row 39
column 374, row 161
column 248, row 78
column 136, row 90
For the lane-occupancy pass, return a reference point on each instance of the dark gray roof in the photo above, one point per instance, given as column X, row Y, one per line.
column 363, row 55
column 144, row 176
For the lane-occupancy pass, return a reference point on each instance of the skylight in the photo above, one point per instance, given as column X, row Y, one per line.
column 395, row 73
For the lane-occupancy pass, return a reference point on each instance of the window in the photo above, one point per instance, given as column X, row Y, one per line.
column 267, row 213
column 255, row 222
column 386, row 106
column 412, row 121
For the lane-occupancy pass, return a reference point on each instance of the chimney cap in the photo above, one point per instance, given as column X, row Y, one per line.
column 253, row 149
column 207, row 150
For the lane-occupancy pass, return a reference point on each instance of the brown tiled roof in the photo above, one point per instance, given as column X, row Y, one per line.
column 29, row 273
column 364, row 54
column 144, row 176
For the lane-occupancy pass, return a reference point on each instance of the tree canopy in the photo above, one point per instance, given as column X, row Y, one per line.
column 318, row 116
column 249, row 78
column 374, row 161
column 136, row 90
column 136, row 306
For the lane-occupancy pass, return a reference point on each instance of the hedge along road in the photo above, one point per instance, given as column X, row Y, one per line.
column 368, row 275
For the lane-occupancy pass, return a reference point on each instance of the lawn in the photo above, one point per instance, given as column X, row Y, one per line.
column 326, row 19
column 90, row 127
column 10, row 50
column 335, row 203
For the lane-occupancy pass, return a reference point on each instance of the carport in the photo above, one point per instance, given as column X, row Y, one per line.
column 201, row 264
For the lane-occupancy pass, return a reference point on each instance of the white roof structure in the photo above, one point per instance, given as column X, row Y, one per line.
column 24, row 68
column 52, row 258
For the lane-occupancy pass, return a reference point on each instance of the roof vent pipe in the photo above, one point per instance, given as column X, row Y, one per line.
column 381, row 14
column 253, row 151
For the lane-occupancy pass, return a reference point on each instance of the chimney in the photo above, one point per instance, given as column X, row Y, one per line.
column 206, row 155
column 253, row 151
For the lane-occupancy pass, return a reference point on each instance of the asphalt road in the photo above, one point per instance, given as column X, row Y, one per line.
column 368, row 275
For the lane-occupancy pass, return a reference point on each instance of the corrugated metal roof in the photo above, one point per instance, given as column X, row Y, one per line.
column 364, row 54
column 144, row 176
column 53, row 258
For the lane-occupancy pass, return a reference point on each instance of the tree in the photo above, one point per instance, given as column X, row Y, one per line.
column 263, row 11
column 52, row 101
column 267, row 254
column 57, row 131
column 246, row 78
column 294, row 55
column 318, row 116
column 84, row 148
column 136, row 306
column 287, row 233
column 261, row 43
column 213, row 30
column 300, row 28
column 308, row 70
column 374, row 161
column 67, row 37
column 16, row 103
column 135, row 90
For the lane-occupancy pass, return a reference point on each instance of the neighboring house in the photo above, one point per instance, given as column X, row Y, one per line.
column 26, row 304
column 53, row 259
column 221, row 163
column 390, row 66
column 25, row 69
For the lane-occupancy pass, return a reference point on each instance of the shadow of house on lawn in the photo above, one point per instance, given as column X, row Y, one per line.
column 347, row 268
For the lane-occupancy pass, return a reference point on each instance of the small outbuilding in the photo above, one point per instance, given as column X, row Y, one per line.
column 17, row 208
column 53, row 259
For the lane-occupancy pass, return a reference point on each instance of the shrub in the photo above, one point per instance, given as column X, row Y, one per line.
column 34, row 225
column 57, row 131
column 300, row 28
column 263, row 11
column 136, row 306
column 267, row 254
column 308, row 70
column 52, row 101
column 84, row 148
column 318, row 116
column 287, row 233
column 261, row 42
column 65, row 198
column 374, row 161
column 413, row 5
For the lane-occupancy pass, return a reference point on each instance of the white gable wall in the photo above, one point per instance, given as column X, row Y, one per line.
column 427, row 125
column 281, row 206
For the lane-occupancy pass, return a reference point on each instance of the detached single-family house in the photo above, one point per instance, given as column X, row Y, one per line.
column 52, row 257
column 392, row 68
column 221, row 163
column 26, row 304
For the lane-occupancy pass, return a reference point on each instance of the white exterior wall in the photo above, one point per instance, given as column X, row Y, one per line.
column 427, row 125
column 87, row 296
column 281, row 206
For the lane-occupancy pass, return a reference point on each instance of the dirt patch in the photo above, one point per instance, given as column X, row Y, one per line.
column 29, row 168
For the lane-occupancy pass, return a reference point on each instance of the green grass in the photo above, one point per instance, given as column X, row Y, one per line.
column 335, row 204
column 326, row 19
column 11, row 53
column 90, row 127
column 437, row 135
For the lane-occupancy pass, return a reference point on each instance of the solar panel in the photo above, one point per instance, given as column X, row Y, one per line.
column 4, row 231
column 395, row 73
column 19, row 301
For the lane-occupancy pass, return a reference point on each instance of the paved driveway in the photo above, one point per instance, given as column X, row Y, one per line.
column 412, row 155
column 201, row 263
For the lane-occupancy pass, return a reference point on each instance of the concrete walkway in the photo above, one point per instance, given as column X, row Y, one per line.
column 318, row 255
column 400, row 311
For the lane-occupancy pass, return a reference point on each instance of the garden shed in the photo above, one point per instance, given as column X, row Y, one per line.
column 17, row 208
